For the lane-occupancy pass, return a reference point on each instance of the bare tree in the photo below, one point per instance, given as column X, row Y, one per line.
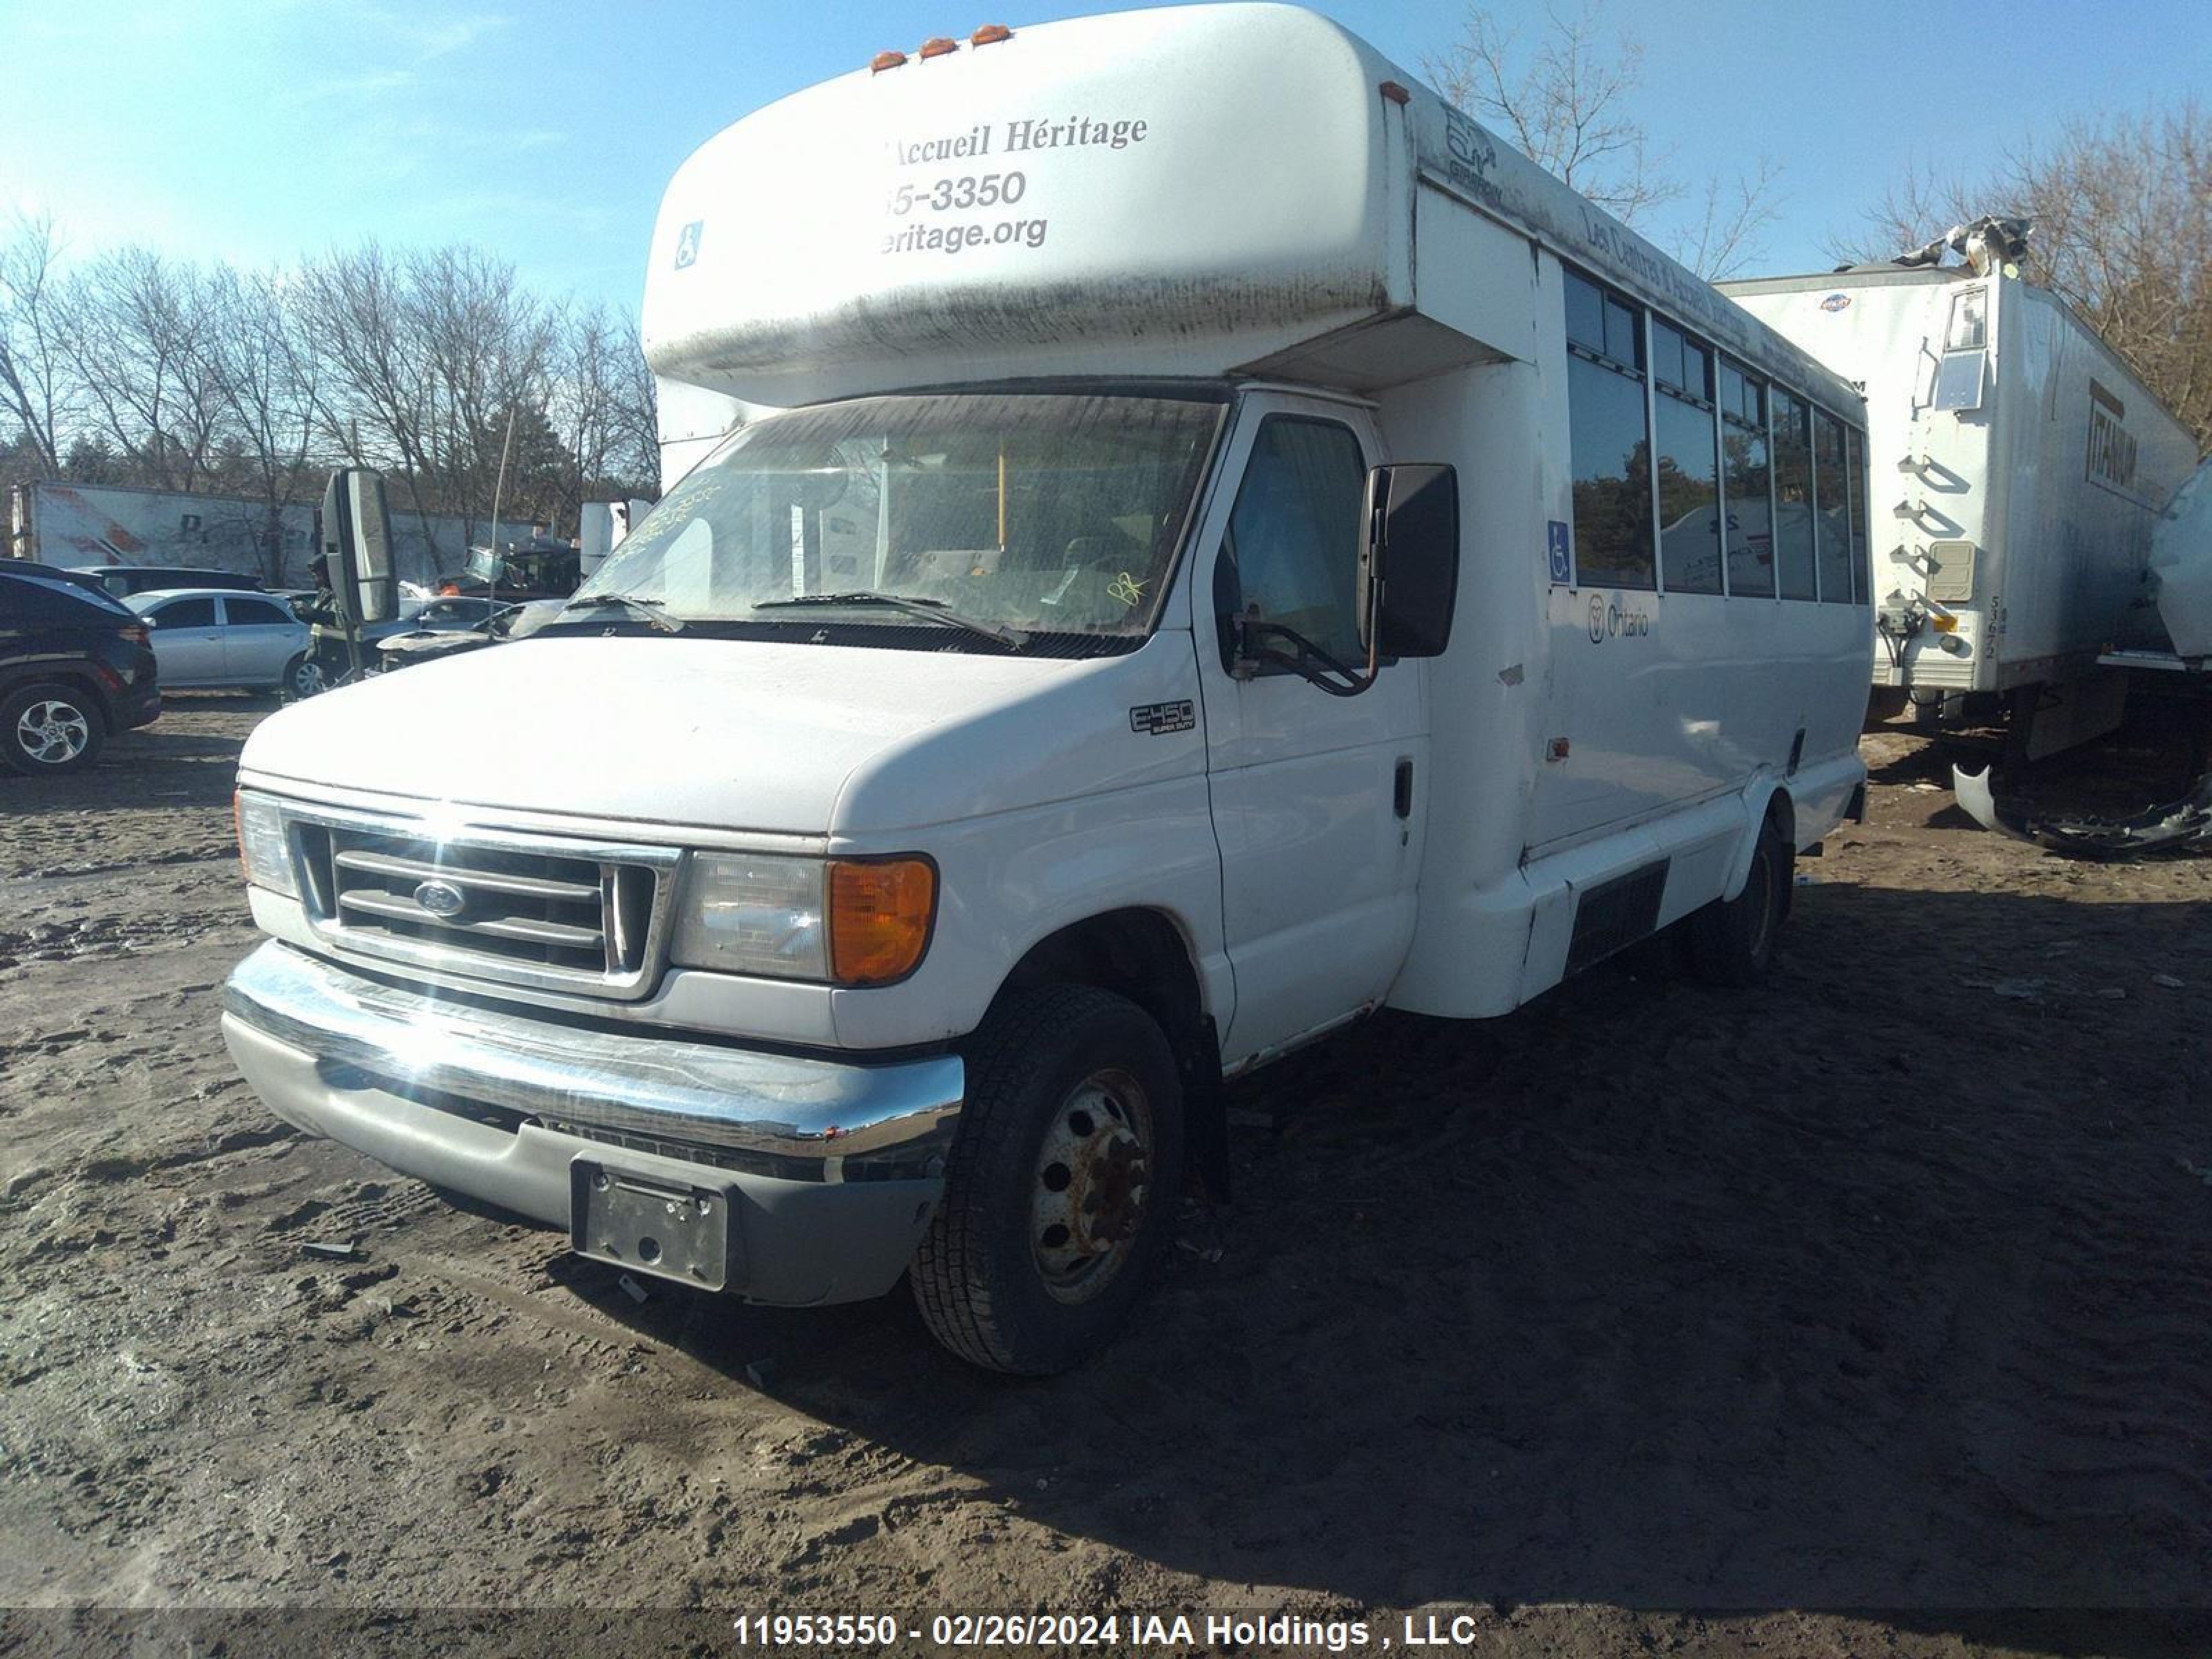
column 487, row 343
column 1920, row 205
column 604, row 407
column 140, row 370
column 1564, row 104
column 266, row 373
column 375, row 393
column 2121, row 210
column 635, row 455
column 582, row 404
column 1567, row 102
column 137, row 329
column 1737, row 213
column 35, row 391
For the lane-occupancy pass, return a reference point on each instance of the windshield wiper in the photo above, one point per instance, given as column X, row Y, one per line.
column 647, row 610
column 935, row 610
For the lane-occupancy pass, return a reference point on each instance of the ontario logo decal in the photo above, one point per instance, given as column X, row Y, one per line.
column 1611, row 619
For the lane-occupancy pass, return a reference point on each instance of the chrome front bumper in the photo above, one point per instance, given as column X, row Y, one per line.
column 835, row 1166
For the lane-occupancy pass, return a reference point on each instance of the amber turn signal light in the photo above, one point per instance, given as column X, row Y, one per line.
column 881, row 911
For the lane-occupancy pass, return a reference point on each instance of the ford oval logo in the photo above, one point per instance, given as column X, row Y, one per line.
column 1836, row 302
column 440, row 898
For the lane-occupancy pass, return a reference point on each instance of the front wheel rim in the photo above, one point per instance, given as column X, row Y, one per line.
column 53, row 733
column 1089, row 1192
column 307, row 679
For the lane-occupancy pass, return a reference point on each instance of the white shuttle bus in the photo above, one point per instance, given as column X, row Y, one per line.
column 2020, row 466
column 1174, row 540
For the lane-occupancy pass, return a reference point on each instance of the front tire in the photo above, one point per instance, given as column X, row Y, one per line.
column 303, row 678
column 1063, row 1185
column 1731, row 941
column 47, row 730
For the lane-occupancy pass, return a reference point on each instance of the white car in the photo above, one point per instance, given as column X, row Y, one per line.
column 208, row 638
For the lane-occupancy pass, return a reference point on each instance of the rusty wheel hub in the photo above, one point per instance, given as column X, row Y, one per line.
column 1093, row 1177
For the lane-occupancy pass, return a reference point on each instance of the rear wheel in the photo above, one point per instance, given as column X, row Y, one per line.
column 50, row 729
column 1061, row 1188
column 1731, row 941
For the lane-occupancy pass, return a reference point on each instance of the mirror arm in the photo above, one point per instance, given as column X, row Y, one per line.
column 1250, row 658
column 1243, row 660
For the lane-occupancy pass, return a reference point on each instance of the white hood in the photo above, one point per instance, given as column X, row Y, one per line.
column 740, row 735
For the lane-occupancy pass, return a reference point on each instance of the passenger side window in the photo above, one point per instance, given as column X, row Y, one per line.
column 1855, row 494
column 1793, row 497
column 1831, row 521
column 186, row 613
column 1688, row 461
column 253, row 613
column 1610, row 439
column 1291, row 553
column 1749, row 498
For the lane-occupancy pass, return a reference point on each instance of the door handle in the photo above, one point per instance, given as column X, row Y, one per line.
column 1401, row 789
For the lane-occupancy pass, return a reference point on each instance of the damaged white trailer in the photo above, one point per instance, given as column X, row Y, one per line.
column 2019, row 466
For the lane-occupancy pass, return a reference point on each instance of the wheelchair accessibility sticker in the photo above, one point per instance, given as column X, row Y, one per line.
column 1556, row 546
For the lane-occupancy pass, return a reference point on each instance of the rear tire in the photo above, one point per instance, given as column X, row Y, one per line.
column 1063, row 1185
column 49, row 729
column 1731, row 941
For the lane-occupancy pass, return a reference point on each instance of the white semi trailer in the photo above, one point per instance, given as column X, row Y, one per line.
column 1174, row 539
column 2019, row 466
column 2181, row 566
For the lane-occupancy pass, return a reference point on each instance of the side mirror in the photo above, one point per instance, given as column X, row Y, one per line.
column 356, row 537
column 1409, row 562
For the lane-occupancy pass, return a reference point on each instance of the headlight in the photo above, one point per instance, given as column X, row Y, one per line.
column 747, row 914
column 851, row 921
column 262, row 847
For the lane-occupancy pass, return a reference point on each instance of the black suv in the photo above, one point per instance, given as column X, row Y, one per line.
column 75, row 667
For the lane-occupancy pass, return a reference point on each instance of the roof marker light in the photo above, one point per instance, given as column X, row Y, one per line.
column 938, row 46
column 990, row 34
column 884, row 60
column 1396, row 93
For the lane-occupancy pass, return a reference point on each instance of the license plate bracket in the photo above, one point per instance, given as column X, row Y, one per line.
column 650, row 1223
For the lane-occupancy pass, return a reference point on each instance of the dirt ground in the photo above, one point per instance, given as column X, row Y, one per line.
column 1840, row 1316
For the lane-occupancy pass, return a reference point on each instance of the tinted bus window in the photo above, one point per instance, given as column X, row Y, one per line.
column 1689, row 470
column 1747, row 502
column 1855, row 500
column 1793, row 497
column 1585, row 314
column 1612, row 449
column 1831, row 522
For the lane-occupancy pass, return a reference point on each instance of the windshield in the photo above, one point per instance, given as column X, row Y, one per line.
column 1038, row 513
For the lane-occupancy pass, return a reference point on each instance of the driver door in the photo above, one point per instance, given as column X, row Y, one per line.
column 1316, row 796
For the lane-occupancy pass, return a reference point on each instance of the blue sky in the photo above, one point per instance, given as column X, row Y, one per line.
column 254, row 130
